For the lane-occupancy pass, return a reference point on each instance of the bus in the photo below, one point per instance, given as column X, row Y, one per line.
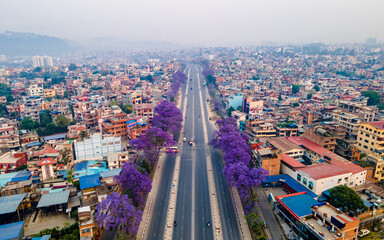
column 171, row 149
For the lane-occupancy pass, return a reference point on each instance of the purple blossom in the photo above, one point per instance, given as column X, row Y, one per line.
column 167, row 117
column 138, row 184
column 151, row 141
column 207, row 71
column 116, row 211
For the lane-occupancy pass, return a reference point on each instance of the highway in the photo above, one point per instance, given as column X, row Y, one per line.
column 193, row 207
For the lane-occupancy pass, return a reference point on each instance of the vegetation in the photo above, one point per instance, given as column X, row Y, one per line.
column 72, row 67
column 230, row 110
column 345, row 198
column 373, row 97
column 62, row 121
column 296, row 104
column 22, row 167
column 6, row 91
column 316, row 88
column 255, row 224
column 70, row 232
column 295, row 88
column 83, row 134
column 127, row 108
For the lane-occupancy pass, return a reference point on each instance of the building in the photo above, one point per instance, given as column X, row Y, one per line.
column 312, row 220
column 42, row 61
column 325, row 135
column 286, row 130
column 370, row 140
column 268, row 158
column 10, row 161
column 36, row 90
column 47, row 168
column 259, row 128
column 131, row 98
column 49, row 93
column 116, row 125
column 144, row 110
column 117, row 159
column 96, row 147
column 349, row 121
column 9, row 139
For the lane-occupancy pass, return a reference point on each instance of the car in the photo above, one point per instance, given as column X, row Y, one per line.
column 190, row 79
column 209, row 224
column 191, row 88
column 184, row 139
column 264, row 224
column 174, row 223
column 363, row 232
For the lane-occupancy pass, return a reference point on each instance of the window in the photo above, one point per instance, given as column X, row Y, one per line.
column 338, row 181
column 305, row 181
column 88, row 230
column 83, row 231
column 310, row 185
column 299, row 177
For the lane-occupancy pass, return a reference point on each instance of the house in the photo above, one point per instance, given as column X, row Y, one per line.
column 10, row 161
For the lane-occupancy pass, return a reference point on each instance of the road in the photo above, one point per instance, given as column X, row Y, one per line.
column 193, row 209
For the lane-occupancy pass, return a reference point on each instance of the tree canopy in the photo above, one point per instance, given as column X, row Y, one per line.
column 72, row 67
column 62, row 121
column 6, row 91
column 295, row 88
column 373, row 97
column 345, row 198
column 167, row 117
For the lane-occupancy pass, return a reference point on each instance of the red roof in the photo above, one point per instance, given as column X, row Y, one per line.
column 320, row 171
column 377, row 124
column 290, row 161
column 336, row 160
column 45, row 151
column 46, row 161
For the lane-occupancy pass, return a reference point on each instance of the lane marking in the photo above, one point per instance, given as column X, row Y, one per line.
column 215, row 223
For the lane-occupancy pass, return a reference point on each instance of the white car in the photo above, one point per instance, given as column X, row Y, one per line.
column 184, row 139
column 363, row 232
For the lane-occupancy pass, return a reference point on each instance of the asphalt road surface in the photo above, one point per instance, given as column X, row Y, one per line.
column 193, row 209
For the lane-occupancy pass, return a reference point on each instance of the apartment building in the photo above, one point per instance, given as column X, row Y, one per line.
column 144, row 110
column 9, row 139
column 325, row 135
column 36, row 90
column 96, row 147
column 370, row 140
column 349, row 121
column 116, row 125
column 267, row 158
column 49, row 93
column 286, row 130
column 10, row 161
column 131, row 98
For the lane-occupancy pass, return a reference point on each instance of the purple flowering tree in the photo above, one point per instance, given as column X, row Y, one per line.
column 167, row 117
column 150, row 142
column 178, row 78
column 137, row 184
column 117, row 211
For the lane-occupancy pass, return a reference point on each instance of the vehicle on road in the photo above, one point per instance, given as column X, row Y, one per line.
column 184, row 139
column 191, row 88
column 190, row 79
column 192, row 141
column 209, row 224
column 363, row 232
column 174, row 223
column 171, row 149
column 264, row 224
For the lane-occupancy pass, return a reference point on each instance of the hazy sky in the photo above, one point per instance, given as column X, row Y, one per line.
column 213, row 22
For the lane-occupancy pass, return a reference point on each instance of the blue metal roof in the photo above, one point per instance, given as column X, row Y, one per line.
column 21, row 176
column 300, row 204
column 45, row 237
column 110, row 173
column 11, row 230
column 80, row 166
column 54, row 137
column 9, row 204
column 290, row 182
column 55, row 198
column 367, row 204
column 89, row 181
column 33, row 144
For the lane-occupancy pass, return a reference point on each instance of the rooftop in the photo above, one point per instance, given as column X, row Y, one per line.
column 291, row 162
column 377, row 124
column 9, row 204
column 11, row 230
column 322, row 170
column 283, row 144
column 299, row 203
column 55, row 198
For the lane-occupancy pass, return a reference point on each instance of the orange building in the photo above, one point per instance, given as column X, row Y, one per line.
column 116, row 125
column 269, row 159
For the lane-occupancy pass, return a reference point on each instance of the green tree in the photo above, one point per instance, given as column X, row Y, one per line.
column 21, row 167
column 373, row 97
column 66, row 94
column 69, row 176
column 72, row 67
column 62, row 121
column 45, row 118
column 83, row 134
column 38, row 69
column 255, row 223
column 296, row 104
column 6, row 91
column 280, row 98
column 295, row 88
column 309, row 96
column 127, row 108
column 28, row 123
column 72, row 110
column 230, row 110
column 113, row 103
column 3, row 110
column 345, row 198
column 316, row 88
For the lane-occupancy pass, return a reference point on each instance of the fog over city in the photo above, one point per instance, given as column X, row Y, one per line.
column 199, row 22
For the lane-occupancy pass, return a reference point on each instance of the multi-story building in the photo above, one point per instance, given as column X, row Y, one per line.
column 286, row 130
column 49, row 93
column 42, row 61
column 116, row 125
column 10, row 161
column 267, row 158
column 96, row 147
column 36, row 90
column 260, row 128
column 117, row 159
column 144, row 110
column 131, row 98
column 349, row 121
column 325, row 135
column 9, row 139
column 370, row 140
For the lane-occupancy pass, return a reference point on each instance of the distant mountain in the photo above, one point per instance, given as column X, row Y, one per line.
column 27, row 44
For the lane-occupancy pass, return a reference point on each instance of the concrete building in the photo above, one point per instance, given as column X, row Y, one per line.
column 42, row 61
column 96, row 147
column 36, row 90
column 131, row 98
column 349, row 121
column 116, row 125
column 10, row 161
column 325, row 135
column 269, row 159
column 117, row 159
column 9, row 139
column 47, row 168
column 49, row 93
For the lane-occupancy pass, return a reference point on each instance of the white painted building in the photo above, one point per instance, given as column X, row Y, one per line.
column 97, row 147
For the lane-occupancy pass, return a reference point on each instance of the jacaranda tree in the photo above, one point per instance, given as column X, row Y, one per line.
column 135, row 183
column 117, row 211
column 151, row 141
column 167, row 117
column 178, row 78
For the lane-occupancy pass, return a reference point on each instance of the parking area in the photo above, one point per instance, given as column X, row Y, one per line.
column 43, row 221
